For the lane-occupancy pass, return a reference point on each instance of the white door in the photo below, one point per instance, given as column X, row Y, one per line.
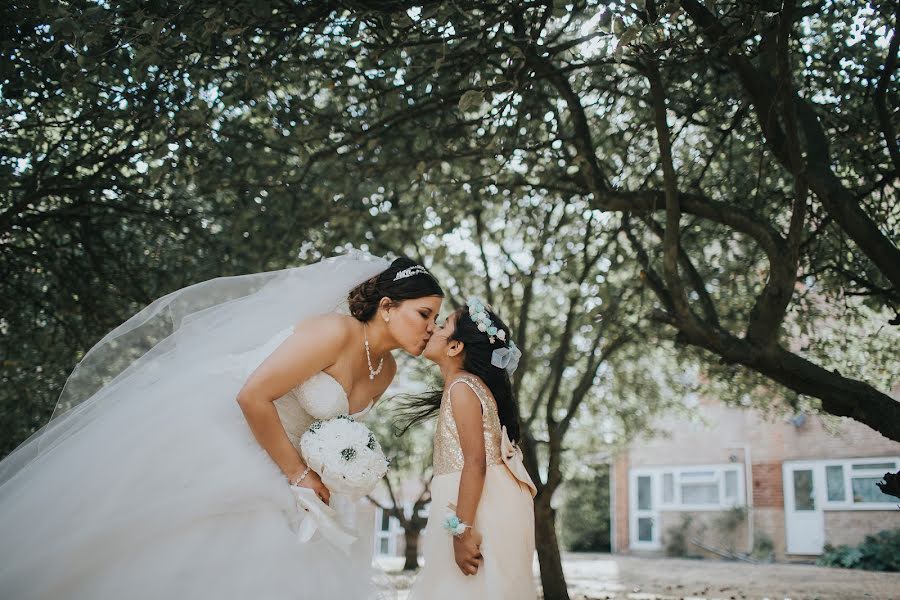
column 644, row 516
column 803, row 516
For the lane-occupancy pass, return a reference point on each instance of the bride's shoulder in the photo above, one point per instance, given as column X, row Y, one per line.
column 332, row 326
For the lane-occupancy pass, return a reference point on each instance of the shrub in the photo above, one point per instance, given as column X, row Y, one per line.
column 677, row 537
column 879, row 552
column 584, row 515
column 763, row 548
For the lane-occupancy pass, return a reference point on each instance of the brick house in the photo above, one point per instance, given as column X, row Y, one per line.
column 745, row 481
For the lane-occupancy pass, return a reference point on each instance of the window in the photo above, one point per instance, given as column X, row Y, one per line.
column 834, row 481
column 644, row 493
column 862, row 481
column 702, row 488
column 731, row 486
column 668, row 488
column 645, row 529
column 699, row 487
column 804, row 498
column 865, row 490
column 386, row 533
column 850, row 483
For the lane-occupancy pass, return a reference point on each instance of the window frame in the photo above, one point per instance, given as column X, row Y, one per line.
column 849, row 474
column 717, row 477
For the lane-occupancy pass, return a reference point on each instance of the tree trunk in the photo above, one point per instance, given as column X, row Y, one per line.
column 552, row 578
column 411, row 553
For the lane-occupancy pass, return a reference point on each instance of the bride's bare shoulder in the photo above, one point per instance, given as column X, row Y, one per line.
column 332, row 326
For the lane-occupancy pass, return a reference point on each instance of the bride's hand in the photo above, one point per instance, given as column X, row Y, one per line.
column 314, row 482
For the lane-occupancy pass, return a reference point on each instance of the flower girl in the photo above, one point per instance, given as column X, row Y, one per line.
column 479, row 541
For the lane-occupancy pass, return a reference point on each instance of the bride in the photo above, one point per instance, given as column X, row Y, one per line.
column 171, row 466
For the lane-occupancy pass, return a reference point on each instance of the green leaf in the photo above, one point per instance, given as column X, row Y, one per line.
column 471, row 100
column 629, row 35
column 63, row 26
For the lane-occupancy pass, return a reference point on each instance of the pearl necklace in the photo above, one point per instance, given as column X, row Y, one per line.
column 372, row 372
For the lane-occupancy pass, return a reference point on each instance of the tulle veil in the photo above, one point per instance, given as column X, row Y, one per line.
column 194, row 328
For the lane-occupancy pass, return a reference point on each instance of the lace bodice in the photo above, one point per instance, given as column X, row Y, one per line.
column 319, row 397
column 448, row 456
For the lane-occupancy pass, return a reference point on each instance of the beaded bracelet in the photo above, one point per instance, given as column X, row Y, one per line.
column 301, row 478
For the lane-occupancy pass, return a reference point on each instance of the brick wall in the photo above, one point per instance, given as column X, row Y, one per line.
column 705, row 527
column 768, row 489
column 852, row 526
column 620, row 504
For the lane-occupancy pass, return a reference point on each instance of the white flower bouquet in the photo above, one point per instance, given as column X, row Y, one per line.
column 345, row 454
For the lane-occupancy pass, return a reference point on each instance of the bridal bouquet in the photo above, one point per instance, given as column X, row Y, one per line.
column 345, row 454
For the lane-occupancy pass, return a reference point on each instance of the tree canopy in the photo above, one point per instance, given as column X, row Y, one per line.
column 737, row 160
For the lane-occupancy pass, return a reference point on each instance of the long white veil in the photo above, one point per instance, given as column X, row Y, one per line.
column 193, row 330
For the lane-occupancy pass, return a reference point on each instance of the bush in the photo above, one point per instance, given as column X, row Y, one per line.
column 763, row 548
column 677, row 538
column 879, row 552
column 584, row 515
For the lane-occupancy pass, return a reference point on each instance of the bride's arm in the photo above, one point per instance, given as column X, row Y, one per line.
column 314, row 346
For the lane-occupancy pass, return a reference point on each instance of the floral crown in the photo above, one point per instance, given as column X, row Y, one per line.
column 502, row 358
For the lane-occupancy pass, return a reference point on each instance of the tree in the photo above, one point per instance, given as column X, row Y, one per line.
column 410, row 461
column 555, row 279
column 646, row 109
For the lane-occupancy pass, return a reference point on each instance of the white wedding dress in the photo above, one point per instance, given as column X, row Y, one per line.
column 168, row 495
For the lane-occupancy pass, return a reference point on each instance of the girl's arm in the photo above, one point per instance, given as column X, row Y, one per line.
column 469, row 424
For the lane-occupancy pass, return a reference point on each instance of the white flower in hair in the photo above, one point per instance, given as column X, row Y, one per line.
column 504, row 358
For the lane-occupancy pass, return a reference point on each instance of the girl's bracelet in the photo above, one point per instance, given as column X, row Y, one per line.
column 453, row 525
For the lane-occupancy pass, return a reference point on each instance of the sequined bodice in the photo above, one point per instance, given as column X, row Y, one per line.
column 448, row 456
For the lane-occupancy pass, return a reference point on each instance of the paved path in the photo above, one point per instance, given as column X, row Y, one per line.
column 615, row 577
column 605, row 576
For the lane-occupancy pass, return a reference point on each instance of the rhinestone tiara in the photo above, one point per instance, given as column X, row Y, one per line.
column 416, row 270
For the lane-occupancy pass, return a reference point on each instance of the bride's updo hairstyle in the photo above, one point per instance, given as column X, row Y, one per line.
column 403, row 280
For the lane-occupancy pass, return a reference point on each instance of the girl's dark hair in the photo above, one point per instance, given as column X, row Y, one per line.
column 364, row 298
column 477, row 361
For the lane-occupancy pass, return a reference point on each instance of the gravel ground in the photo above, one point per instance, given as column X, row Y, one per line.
column 615, row 577
column 605, row 576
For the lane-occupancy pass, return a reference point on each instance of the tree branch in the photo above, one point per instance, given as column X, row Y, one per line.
column 835, row 197
column 767, row 315
column 884, row 116
column 672, row 236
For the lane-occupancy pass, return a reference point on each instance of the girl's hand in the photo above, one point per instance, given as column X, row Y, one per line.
column 467, row 551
